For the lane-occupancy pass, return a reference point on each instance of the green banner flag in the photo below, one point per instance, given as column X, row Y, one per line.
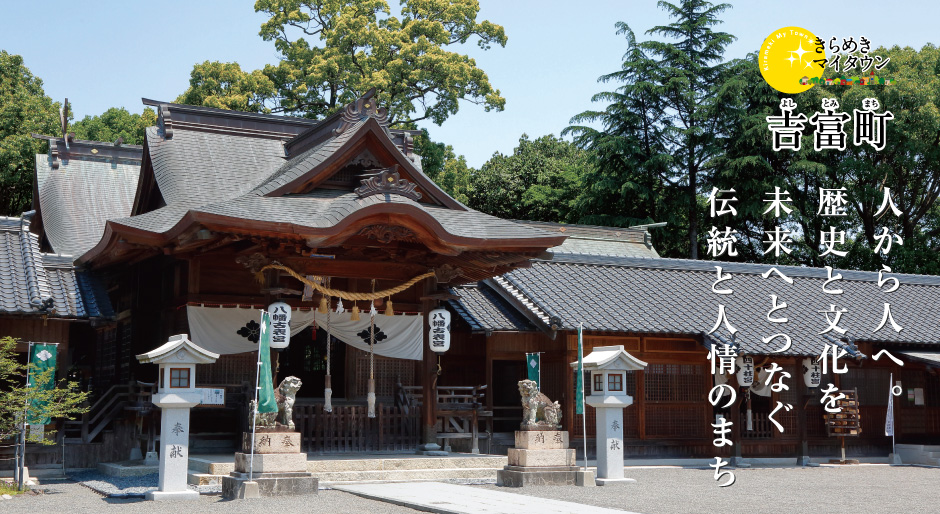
column 533, row 361
column 579, row 379
column 42, row 359
column 266, row 400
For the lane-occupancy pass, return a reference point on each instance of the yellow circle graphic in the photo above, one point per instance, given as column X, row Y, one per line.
column 786, row 59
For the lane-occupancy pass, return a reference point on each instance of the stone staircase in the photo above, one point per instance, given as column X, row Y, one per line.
column 919, row 454
column 368, row 468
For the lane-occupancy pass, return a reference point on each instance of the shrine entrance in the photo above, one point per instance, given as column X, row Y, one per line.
column 305, row 359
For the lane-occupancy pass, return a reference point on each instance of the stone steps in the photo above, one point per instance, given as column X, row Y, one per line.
column 209, row 471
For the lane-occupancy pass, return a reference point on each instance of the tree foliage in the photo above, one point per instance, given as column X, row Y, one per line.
column 908, row 166
column 538, row 181
column 224, row 85
column 63, row 401
column 664, row 124
column 335, row 50
column 443, row 166
column 24, row 109
column 115, row 123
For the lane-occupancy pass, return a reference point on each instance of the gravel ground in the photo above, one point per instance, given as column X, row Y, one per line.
column 71, row 497
column 129, row 487
column 849, row 489
column 839, row 489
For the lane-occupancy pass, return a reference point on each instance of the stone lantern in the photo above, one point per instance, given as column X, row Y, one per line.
column 176, row 394
column 606, row 392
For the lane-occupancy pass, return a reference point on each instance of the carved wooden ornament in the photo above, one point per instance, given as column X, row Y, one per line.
column 388, row 181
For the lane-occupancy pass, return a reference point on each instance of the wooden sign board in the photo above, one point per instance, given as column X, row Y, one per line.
column 848, row 422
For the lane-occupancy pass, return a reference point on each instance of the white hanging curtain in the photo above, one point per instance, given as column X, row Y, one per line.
column 235, row 330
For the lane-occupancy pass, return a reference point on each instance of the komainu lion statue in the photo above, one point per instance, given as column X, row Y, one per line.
column 537, row 409
column 285, row 395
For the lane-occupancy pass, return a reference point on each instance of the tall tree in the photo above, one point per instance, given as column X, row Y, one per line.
column 665, row 122
column 24, row 109
column 538, row 181
column 115, row 123
column 689, row 74
column 224, row 85
column 627, row 181
column 334, row 51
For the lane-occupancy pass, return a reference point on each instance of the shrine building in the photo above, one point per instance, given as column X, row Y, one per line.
column 221, row 213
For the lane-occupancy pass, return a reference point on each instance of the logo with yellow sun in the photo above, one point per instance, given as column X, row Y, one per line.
column 787, row 56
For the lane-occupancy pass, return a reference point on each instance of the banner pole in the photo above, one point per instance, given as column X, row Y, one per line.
column 22, row 463
column 583, row 410
column 254, row 414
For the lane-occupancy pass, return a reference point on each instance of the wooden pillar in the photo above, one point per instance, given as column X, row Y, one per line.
column 802, row 457
column 640, row 402
column 428, row 370
column 736, row 432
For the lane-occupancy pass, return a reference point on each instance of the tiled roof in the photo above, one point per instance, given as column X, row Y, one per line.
column 306, row 161
column 324, row 208
column 32, row 282
column 485, row 311
column 675, row 297
column 80, row 195
column 199, row 167
column 599, row 241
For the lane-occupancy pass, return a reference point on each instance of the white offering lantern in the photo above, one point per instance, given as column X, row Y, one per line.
column 609, row 366
column 176, row 395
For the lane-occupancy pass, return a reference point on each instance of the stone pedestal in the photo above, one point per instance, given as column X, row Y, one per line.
column 174, row 447
column 278, row 468
column 540, row 458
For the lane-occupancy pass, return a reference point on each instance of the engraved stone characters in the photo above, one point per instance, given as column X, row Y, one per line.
column 286, row 396
column 537, row 410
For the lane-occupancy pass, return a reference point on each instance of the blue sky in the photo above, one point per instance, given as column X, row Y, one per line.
column 106, row 54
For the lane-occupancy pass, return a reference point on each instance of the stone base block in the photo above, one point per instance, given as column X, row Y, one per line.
column 272, row 442
column 515, row 478
column 539, row 458
column 269, row 484
column 542, row 440
column 187, row 495
column 614, row 481
column 585, row 478
column 272, row 462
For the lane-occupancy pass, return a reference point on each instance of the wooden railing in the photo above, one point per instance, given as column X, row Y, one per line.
column 349, row 429
column 460, row 411
column 101, row 413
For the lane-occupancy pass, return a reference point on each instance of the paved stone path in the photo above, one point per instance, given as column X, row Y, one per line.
column 463, row 499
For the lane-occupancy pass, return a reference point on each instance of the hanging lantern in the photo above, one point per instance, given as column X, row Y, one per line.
column 744, row 366
column 280, row 325
column 355, row 312
column 389, row 311
column 812, row 372
column 324, row 305
column 439, row 320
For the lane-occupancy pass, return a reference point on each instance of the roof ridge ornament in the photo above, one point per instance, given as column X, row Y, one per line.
column 364, row 107
column 389, row 181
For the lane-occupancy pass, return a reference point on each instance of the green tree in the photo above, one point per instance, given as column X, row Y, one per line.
column 627, row 181
column 668, row 109
column 63, row 401
column 114, row 123
column 224, row 85
column 24, row 109
column 907, row 166
column 333, row 51
column 539, row 181
column 443, row 166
